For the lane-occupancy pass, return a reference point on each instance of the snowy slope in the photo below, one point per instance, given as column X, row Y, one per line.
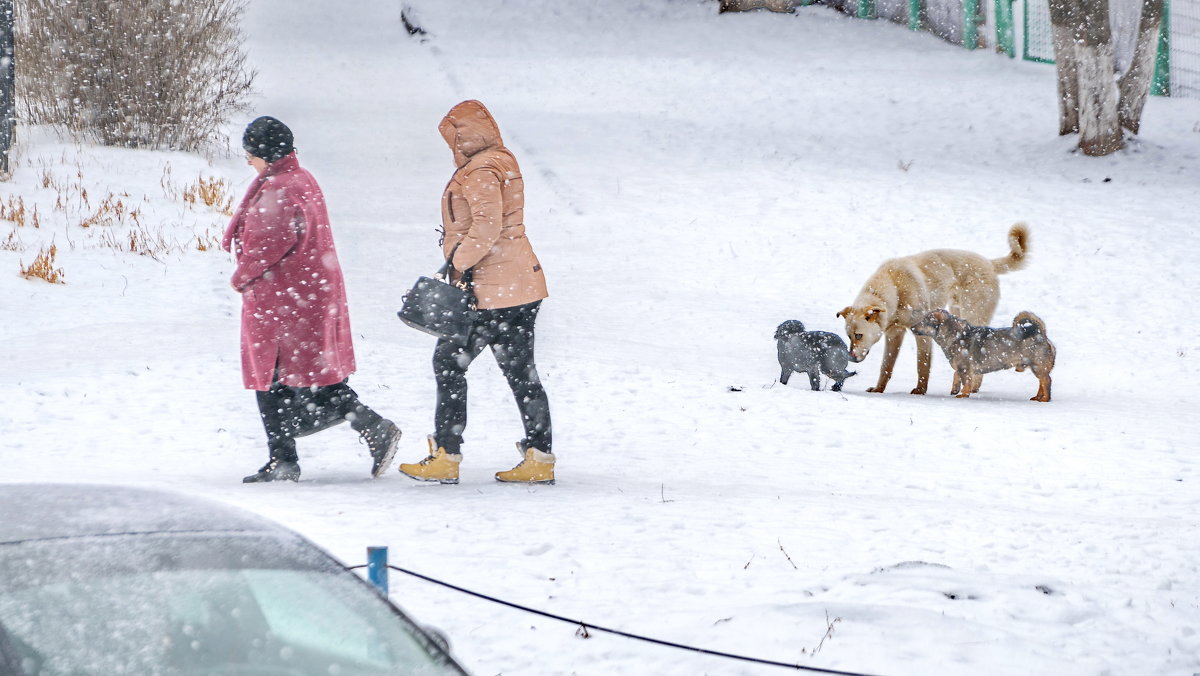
column 692, row 181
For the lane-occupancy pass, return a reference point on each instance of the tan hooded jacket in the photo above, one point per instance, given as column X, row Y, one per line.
column 483, row 208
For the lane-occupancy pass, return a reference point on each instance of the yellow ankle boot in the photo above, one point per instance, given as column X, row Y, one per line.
column 439, row 466
column 536, row 468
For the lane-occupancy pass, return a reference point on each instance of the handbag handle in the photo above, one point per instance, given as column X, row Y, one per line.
column 444, row 272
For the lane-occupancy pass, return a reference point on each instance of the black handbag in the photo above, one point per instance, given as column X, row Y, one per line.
column 439, row 308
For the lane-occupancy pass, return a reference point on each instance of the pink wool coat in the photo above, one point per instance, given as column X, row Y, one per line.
column 483, row 211
column 294, row 312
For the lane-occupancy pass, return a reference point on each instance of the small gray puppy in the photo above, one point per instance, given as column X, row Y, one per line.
column 811, row 352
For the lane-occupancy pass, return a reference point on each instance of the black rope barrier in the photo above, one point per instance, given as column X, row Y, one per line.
column 586, row 627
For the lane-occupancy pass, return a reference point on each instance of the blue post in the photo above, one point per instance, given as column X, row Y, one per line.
column 377, row 568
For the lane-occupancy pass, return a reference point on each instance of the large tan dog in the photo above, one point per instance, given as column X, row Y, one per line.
column 903, row 290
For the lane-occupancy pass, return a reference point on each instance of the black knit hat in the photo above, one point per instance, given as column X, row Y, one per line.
column 268, row 138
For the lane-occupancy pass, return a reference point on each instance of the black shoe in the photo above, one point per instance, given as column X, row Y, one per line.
column 382, row 438
column 276, row 470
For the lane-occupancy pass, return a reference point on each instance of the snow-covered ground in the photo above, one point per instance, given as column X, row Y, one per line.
column 692, row 181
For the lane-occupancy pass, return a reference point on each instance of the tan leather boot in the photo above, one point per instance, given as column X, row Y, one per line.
column 536, row 468
column 439, row 466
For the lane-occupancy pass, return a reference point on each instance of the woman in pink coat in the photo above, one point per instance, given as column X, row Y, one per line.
column 296, row 345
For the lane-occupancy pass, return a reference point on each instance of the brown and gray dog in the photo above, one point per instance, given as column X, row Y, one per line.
column 903, row 290
column 976, row 350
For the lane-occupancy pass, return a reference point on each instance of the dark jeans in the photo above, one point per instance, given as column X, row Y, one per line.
column 509, row 332
column 292, row 412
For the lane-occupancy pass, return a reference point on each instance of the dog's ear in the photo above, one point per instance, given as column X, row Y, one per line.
column 874, row 313
column 845, row 312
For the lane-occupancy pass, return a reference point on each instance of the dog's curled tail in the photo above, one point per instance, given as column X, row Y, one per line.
column 789, row 328
column 1018, row 245
column 1027, row 325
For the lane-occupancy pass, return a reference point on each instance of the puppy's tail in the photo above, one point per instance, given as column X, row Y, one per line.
column 1028, row 325
column 789, row 328
column 1018, row 245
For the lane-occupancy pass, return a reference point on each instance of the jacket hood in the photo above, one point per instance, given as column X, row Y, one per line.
column 474, row 115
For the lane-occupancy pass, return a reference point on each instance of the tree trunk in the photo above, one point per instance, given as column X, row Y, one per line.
column 1064, row 23
column 1099, row 124
column 1067, row 69
column 1135, row 83
column 1083, row 53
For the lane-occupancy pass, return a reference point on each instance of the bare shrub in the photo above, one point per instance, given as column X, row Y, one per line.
column 162, row 74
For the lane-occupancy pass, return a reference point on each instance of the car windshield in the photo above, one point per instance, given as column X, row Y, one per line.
column 206, row 607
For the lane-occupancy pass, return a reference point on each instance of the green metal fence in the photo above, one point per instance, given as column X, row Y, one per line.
column 1183, row 48
column 1177, row 64
column 1038, row 41
column 1005, row 24
column 955, row 21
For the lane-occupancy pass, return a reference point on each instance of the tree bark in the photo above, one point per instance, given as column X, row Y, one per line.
column 1064, row 23
column 1099, row 124
column 1134, row 85
column 1083, row 48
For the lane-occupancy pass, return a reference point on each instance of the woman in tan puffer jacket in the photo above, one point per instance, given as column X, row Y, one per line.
column 483, row 216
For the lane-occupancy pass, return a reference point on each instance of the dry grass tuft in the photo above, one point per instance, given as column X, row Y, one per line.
column 13, row 209
column 207, row 242
column 138, row 240
column 12, row 242
column 211, row 192
column 112, row 211
column 43, row 267
column 113, row 219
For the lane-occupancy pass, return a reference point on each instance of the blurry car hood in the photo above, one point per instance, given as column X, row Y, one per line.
column 51, row 511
